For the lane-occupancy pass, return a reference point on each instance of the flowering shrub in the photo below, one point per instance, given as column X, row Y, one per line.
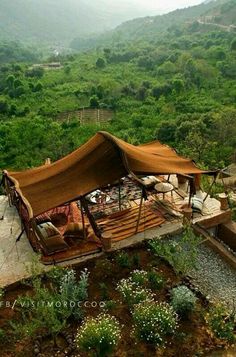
column 183, row 300
column 222, row 323
column 132, row 293
column 154, row 321
column 100, row 335
column 139, row 277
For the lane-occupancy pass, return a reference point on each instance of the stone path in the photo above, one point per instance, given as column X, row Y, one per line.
column 214, row 277
column 16, row 259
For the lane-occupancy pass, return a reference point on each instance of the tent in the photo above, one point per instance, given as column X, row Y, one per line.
column 100, row 161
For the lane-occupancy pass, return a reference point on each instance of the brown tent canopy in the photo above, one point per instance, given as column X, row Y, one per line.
column 100, row 161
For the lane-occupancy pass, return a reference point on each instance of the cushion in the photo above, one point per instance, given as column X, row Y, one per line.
column 51, row 238
column 44, row 217
column 47, row 229
column 75, row 230
column 59, row 219
column 55, row 244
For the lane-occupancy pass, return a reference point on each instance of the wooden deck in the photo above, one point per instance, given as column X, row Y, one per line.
column 124, row 226
column 16, row 257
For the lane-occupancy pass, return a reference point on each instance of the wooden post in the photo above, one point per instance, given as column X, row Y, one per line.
column 210, row 189
column 119, row 196
column 190, row 192
column 83, row 222
column 140, row 211
column 90, row 217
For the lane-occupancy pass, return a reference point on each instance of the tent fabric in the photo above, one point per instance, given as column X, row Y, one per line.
column 100, row 161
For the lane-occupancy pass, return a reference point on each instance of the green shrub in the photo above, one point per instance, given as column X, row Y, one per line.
column 132, row 293
column 123, row 260
column 139, row 277
column 100, row 335
column 222, row 323
column 183, row 300
column 2, row 335
column 136, row 261
column 104, row 292
column 73, row 291
column 110, row 304
column 154, row 321
column 181, row 254
column 155, row 280
column 49, row 308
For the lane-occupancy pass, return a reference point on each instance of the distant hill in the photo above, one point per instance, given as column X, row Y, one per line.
column 224, row 14
column 151, row 27
column 61, row 20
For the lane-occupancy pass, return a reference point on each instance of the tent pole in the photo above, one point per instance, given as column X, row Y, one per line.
column 119, row 197
column 191, row 190
column 210, row 188
column 90, row 217
column 140, row 211
column 83, row 223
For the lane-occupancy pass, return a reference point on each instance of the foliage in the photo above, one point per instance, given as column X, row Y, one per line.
column 173, row 82
column 183, row 300
column 155, row 280
column 181, row 253
column 154, row 321
column 100, row 335
column 73, row 291
column 50, row 307
column 222, row 322
column 123, row 260
column 2, row 335
column 132, row 293
column 104, row 291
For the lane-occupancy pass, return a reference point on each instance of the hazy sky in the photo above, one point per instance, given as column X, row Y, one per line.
column 161, row 5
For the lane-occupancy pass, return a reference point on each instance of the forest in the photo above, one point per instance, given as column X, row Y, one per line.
column 179, row 87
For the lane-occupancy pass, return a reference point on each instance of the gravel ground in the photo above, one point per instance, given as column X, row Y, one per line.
column 214, row 277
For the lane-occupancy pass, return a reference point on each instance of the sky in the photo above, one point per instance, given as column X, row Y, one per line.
column 161, row 5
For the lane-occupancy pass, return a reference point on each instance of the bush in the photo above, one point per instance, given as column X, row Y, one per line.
column 49, row 308
column 139, row 277
column 222, row 323
column 123, row 260
column 100, row 335
column 181, row 254
column 155, row 280
column 2, row 335
column 153, row 322
column 132, row 293
column 73, row 291
column 183, row 300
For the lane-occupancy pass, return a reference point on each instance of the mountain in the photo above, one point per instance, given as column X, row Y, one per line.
column 62, row 20
column 151, row 27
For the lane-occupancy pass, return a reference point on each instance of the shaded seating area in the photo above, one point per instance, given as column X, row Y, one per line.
column 106, row 188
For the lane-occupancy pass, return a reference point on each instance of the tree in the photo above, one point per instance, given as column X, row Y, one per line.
column 38, row 87
column 233, row 45
column 100, row 63
column 94, row 102
column 37, row 72
column 3, row 106
column 67, row 70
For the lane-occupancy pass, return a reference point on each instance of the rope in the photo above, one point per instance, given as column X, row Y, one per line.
column 4, row 211
column 6, row 259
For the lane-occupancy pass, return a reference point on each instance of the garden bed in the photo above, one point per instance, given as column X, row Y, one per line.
column 192, row 337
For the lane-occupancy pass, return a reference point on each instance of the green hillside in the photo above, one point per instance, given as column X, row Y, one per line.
column 59, row 21
column 178, row 87
column 151, row 28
